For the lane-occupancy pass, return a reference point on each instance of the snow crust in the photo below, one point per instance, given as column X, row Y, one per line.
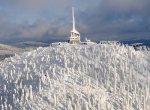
column 76, row 77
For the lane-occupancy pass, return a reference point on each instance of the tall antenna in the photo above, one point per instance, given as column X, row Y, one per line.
column 73, row 19
column 74, row 34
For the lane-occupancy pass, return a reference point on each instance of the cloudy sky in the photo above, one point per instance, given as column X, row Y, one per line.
column 43, row 20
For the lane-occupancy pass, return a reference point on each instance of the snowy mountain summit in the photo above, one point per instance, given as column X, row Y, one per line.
column 76, row 77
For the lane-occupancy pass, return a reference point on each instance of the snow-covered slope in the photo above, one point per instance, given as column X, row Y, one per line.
column 76, row 77
column 7, row 51
column 9, row 48
column 30, row 44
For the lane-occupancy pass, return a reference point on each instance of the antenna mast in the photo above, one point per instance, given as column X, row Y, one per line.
column 74, row 34
column 73, row 19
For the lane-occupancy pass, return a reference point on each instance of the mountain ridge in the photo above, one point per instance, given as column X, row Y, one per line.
column 77, row 77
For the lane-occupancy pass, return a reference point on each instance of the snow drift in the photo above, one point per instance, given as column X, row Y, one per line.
column 76, row 77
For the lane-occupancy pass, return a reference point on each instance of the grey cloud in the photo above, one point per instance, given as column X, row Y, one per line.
column 36, row 31
column 35, row 5
column 98, row 19
column 118, row 20
column 139, row 6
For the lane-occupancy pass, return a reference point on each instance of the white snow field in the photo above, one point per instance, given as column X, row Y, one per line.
column 76, row 77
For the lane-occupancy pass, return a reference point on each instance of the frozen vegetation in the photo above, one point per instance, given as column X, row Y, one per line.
column 76, row 77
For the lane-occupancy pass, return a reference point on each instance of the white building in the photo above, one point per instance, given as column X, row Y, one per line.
column 109, row 42
column 88, row 41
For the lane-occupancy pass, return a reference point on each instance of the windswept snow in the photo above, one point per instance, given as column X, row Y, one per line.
column 18, row 48
column 8, row 51
column 30, row 44
column 76, row 77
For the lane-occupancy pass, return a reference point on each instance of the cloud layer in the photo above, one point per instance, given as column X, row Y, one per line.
column 98, row 19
